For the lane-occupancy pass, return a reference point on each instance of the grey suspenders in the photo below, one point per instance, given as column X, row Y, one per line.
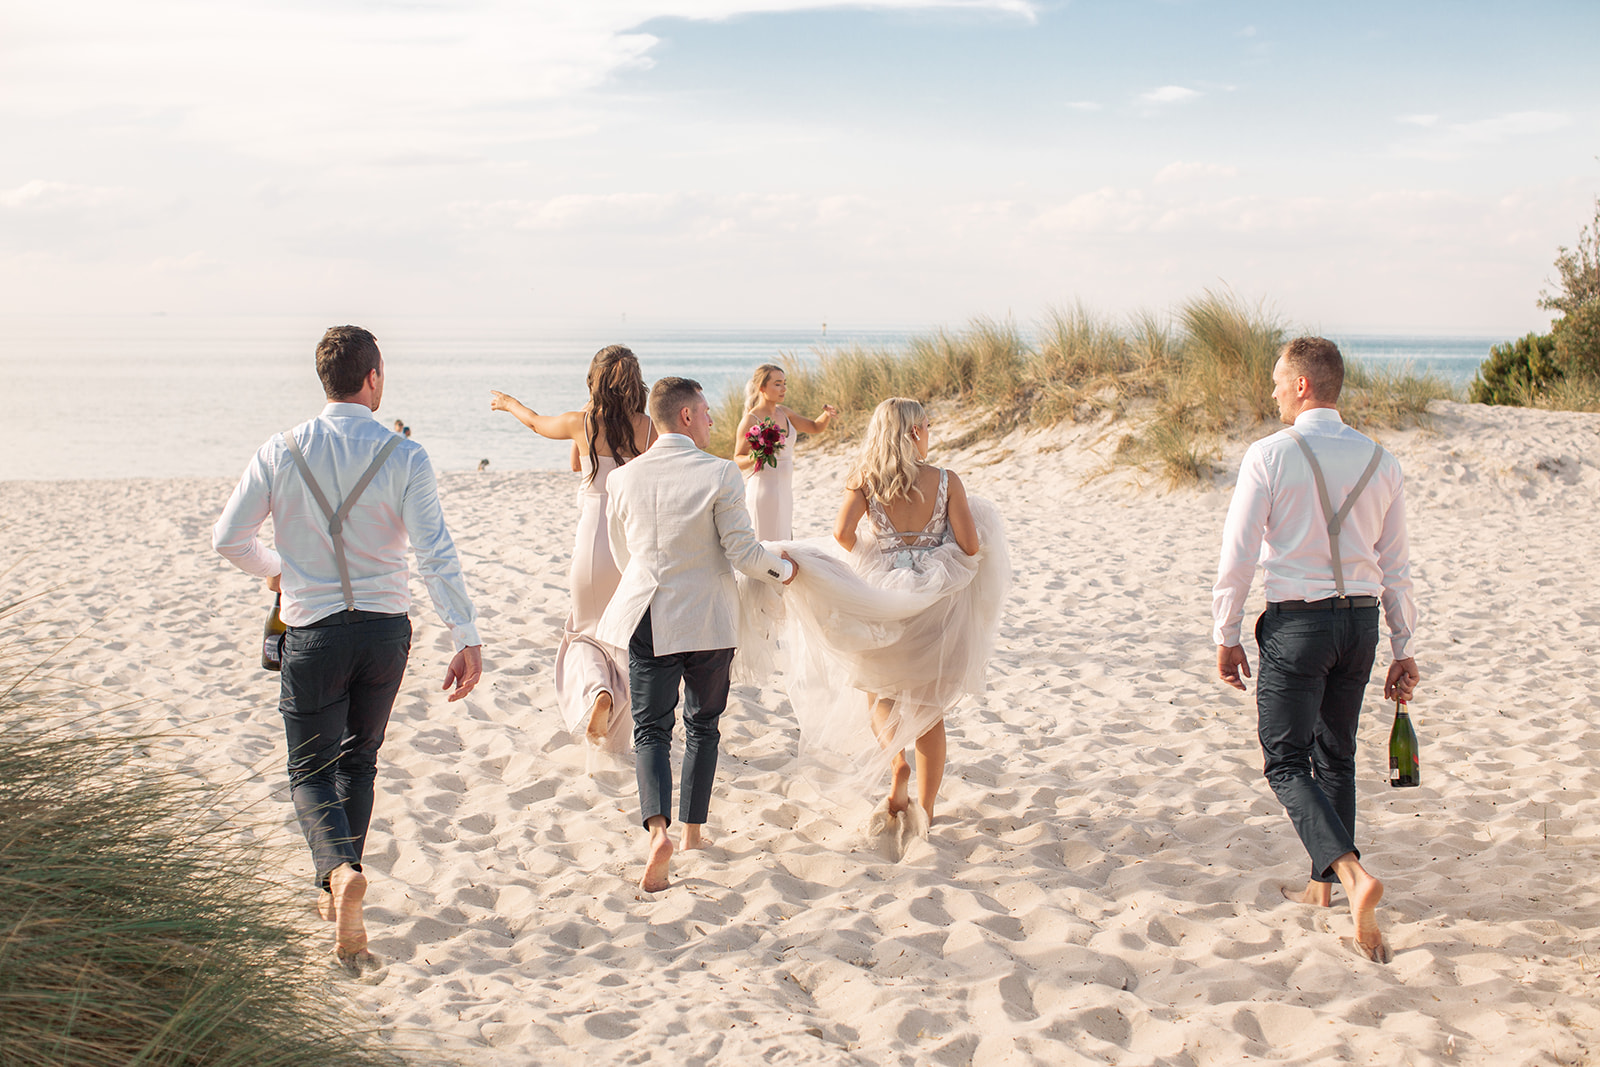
column 336, row 518
column 1336, row 519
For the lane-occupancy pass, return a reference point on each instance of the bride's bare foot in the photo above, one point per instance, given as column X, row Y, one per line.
column 655, row 864
column 693, row 837
column 899, row 785
column 599, row 720
column 1317, row 894
column 1365, row 893
column 349, row 888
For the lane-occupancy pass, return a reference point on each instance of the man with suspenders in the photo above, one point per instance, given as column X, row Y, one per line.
column 346, row 495
column 1322, row 508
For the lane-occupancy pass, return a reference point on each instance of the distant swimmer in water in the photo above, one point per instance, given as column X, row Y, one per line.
column 483, row 465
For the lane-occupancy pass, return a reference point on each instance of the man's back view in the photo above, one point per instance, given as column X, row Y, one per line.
column 346, row 495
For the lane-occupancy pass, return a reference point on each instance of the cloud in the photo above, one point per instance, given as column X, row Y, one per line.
column 1505, row 127
column 1188, row 172
column 40, row 195
column 353, row 80
column 1438, row 140
column 1169, row 94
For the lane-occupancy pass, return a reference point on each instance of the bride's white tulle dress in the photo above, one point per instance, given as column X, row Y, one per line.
column 913, row 623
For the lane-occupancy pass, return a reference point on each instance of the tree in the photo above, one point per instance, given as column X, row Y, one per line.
column 1577, row 332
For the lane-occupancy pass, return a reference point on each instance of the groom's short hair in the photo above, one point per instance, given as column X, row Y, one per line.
column 670, row 396
column 345, row 356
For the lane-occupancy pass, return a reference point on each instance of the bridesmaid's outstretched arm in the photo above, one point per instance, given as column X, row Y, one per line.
column 816, row 425
column 567, row 426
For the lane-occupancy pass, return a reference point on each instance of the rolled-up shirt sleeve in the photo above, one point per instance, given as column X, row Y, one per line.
column 437, row 561
column 1241, row 547
column 1394, row 557
column 234, row 536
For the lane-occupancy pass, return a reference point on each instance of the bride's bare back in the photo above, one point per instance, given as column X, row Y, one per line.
column 913, row 511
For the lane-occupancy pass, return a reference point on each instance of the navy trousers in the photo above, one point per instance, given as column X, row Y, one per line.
column 339, row 680
column 653, row 686
column 1313, row 675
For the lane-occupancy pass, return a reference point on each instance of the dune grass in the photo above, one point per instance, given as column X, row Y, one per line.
column 1181, row 382
column 135, row 926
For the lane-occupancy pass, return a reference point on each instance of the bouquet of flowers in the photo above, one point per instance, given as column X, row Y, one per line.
column 766, row 441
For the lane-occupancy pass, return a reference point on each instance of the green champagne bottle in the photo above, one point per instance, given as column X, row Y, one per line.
column 272, row 637
column 1404, row 769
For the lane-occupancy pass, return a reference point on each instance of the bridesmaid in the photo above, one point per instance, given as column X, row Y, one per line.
column 769, row 492
column 591, row 677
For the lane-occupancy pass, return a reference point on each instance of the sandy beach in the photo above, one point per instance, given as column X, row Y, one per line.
column 1101, row 885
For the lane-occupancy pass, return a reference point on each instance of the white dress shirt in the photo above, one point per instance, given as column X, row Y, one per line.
column 400, row 504
column 1276, row 518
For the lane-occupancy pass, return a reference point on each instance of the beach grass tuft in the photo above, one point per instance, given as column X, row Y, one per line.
column 1182, row 382
column 136, row 925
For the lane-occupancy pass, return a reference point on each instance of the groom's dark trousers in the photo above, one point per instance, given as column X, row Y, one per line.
column 1314, row 670
column 653, row 685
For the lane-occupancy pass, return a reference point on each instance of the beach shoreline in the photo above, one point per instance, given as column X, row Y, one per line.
column 1101, row 884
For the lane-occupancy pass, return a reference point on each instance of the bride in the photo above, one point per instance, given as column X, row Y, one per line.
column 883, row 642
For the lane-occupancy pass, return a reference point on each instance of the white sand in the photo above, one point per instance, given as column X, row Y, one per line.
column 1102, row 883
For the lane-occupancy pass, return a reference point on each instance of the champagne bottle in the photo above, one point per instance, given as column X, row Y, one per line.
column 1404, row 769
column 272, row 637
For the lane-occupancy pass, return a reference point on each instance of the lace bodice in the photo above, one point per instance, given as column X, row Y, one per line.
column 893, row 541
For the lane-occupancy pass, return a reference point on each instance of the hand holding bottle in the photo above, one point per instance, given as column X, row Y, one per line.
column 1401, row 683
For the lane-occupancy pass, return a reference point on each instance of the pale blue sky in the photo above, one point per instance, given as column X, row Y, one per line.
column 1361, row 166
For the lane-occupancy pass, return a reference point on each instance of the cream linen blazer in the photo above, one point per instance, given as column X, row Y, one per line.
column 678, row 527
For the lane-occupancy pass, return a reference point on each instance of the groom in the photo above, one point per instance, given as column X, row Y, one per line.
column 678, row 528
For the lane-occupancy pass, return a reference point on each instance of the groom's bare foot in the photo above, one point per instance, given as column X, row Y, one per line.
column 325, row 905
column 1317, row 894
column 1364, row 910
column 1365, row 893
column 693, row 838
column 656, row 861
column 349, row 888
column 599, row 719
column 899, row 785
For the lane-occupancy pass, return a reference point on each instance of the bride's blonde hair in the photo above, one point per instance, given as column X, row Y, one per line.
column 758, row 381
column 886, row 468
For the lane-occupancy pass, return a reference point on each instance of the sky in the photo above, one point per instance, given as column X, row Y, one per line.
column 1379, row 167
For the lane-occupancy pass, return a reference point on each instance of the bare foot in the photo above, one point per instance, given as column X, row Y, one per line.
column 655, row 864
column 349, row 931
column 693, row 837
column 899, row 785
column 1364, row 897
column 325, row 905
column 1317, row 894
column 599, row 720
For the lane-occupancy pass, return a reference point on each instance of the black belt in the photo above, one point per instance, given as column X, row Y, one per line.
column 345, row 618
column 1334, row 603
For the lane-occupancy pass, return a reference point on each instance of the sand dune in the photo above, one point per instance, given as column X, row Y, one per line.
column 1102, row 883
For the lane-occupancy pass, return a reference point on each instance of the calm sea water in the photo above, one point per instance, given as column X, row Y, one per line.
column 170, row 397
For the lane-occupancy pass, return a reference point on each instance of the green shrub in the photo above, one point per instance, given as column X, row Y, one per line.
column 1577, row 339
column 1516, row 372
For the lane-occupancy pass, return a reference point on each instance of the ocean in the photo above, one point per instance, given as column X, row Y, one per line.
column 165, row 397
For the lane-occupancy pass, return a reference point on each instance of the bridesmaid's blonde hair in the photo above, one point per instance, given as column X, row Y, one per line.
column 886, row 468
column 758, row 381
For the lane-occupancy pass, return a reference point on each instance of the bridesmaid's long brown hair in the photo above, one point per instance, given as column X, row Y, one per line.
column 616, row 395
